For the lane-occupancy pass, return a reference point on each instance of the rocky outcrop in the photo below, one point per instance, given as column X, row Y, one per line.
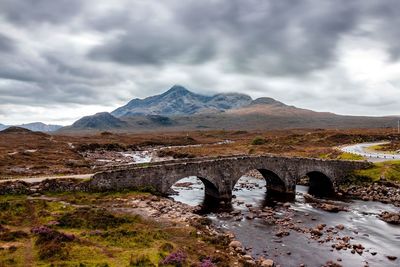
column 390, row 217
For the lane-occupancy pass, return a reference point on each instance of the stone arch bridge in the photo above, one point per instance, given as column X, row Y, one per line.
column 220, row 175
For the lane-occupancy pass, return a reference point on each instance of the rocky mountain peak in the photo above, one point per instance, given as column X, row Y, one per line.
column 180, row 101
column 178, row 90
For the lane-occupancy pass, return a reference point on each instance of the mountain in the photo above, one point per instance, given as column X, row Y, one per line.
column 40, row 127
column 35, row 126
column 103, row 120
column 16, row 129
column 180, row 101
column 179, row 109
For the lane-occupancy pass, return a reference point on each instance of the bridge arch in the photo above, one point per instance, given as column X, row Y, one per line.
column 210, row 188
column 275, row 184
column 320, row 184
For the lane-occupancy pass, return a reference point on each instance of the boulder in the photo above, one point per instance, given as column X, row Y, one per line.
column 235, row 244
column 262, row 262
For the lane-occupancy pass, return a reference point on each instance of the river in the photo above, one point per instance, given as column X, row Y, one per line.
column 360, row 223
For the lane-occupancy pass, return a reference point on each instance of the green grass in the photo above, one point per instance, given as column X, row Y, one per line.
column 350, row 156
column 389, row 170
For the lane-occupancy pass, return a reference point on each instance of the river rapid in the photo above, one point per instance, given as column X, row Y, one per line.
column 259, row 236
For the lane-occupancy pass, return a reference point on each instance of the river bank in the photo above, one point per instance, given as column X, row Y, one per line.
column 387, row 192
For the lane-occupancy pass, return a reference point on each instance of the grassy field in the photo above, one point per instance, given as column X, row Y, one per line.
column 67, row 230
column 388, row 170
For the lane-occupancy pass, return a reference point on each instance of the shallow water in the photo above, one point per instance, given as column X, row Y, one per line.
column 361, row 223
column 139, row 156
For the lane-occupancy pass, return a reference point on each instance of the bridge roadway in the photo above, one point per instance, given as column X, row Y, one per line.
column 220, row 174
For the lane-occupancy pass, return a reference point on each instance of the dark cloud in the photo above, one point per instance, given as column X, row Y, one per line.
column 105, row 52
column 273, row 37
column 155, row 47
column 6, row 44
column 28, row 12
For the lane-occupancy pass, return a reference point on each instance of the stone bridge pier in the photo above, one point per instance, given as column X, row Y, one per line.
column 220, row 175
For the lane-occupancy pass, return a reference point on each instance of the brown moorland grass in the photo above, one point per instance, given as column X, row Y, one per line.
column 29, row 153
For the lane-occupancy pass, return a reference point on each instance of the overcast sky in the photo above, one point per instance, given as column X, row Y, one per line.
column 63, row 59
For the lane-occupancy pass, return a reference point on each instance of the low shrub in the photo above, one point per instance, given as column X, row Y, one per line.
column 167, row 247
column 92, row 219
column 258, row 140
column 176, row 259
column 9, row 236
column 51, row 243
column 207, row 263
column 53, row 250
column 174, row 154
column 97, row 147
column 46, row 235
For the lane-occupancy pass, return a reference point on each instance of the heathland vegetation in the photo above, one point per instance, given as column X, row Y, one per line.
column 82, row 230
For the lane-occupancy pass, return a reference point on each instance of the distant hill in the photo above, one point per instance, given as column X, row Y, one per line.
column 180, row 109
column 35, row 126
column 19, row 130
column 41, row 127
column 103, row 120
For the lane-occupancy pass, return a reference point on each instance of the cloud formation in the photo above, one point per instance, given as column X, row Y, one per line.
column 87, row 56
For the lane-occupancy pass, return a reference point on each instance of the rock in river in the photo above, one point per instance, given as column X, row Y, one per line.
column 390, row 217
